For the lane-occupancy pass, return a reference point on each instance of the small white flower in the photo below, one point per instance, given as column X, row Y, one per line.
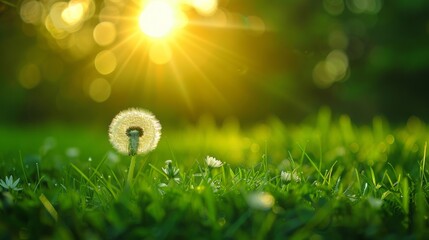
column 289, row 176
column 213, row 162
column 171, row 171
column 161, row 187
column 10, row 184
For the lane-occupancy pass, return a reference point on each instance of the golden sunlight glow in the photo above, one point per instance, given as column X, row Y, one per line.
column 205, row 7
column 158, row 19
column 105, row 62
column 73, row 13
column 104, row 33
column 160, row 53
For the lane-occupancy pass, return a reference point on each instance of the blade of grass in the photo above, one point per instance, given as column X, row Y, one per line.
column 358, row 180
column 115, row 177
column 107, row 185
column 422, row 166
column 22, row 166
column 8, row 3
column 405, row 196
column 48, row 206
column 38, row 183
column 312, row 163
column 85, row 177
column 158, row 171
column 98, row 166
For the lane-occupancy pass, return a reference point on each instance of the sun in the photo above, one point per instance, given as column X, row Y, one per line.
column 159, row 18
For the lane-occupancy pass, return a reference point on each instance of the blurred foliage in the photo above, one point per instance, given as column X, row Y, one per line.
column 356, row 181
column 359, row 57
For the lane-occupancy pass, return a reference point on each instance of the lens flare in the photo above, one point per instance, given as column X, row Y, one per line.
column 158, row 18
column 73, row 13
column 205, row 7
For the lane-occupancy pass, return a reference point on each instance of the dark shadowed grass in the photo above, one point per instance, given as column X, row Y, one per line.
column 326, row 178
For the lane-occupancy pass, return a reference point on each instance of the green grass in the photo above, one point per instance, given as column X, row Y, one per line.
column 345, row 181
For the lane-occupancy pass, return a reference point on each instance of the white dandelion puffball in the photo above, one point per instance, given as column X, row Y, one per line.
column 132, row 119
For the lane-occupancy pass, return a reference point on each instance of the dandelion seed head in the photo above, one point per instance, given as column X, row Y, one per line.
column 144, row 122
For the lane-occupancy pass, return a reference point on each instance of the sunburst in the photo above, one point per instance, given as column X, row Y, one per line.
column 163, row 49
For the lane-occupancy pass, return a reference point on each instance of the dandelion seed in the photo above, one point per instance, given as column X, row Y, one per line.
column 213, row 162
column 134, row 131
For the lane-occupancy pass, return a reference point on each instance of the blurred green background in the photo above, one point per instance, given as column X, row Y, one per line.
column 251, row 60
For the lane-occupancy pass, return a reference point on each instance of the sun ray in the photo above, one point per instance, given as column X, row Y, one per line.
column 222, row 56
column 182, row 87
column 207, row 80
column 197, row 68
column 127, row 59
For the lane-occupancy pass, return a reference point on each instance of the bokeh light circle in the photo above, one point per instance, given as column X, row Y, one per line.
column 104, row 33
column 105, row 62
column 99, row 90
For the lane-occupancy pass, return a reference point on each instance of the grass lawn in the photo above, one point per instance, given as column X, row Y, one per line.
column 326, row 178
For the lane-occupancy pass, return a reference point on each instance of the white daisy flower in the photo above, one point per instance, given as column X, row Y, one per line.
column 213, row 162
column 134, row 131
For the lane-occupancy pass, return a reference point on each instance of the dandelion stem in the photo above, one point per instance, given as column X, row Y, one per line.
column 131, row 170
